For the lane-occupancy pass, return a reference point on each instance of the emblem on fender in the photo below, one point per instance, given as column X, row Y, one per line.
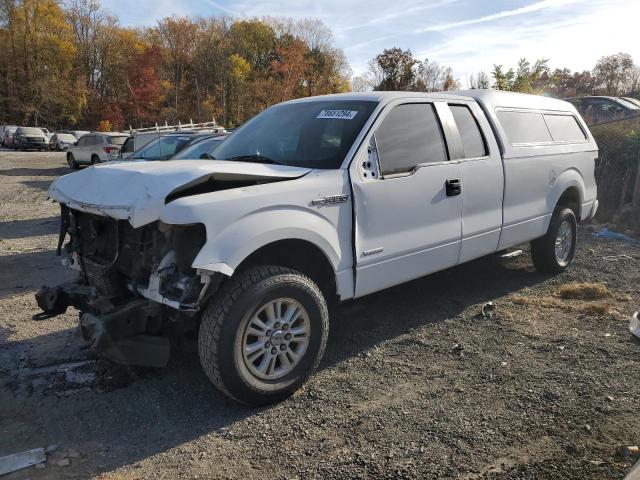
column 330, row 200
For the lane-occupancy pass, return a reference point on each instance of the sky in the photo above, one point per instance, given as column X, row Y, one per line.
column 468, row 35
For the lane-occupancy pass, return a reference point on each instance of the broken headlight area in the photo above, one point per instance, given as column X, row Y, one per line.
column 135, row 286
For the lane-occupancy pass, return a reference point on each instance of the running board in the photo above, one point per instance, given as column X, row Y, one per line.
column 513, row 254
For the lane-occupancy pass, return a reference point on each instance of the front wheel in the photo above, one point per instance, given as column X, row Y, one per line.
column 553, row 252
column 71, row 161
column 264, row 334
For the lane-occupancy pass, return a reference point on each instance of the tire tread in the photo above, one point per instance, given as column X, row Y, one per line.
column 215, row 314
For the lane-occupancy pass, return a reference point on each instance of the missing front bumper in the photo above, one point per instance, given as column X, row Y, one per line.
column 123, row 337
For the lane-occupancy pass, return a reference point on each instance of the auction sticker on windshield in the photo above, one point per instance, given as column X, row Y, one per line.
column 341, row 114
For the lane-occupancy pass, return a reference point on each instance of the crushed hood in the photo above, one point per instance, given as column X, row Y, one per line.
column 137, row 191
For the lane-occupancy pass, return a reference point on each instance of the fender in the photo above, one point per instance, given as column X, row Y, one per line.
column 567, row 179
column 226, row 249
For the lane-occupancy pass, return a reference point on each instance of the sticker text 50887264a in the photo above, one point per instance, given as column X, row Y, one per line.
column 339, row 114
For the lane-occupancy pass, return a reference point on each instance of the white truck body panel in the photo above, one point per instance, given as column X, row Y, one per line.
column 136, row 191
column 383, row 229
column 536, row 175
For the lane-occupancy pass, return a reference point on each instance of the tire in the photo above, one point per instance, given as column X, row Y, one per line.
column 95, row 159
column 72, row 161
column 229, row 320
column 562, row 233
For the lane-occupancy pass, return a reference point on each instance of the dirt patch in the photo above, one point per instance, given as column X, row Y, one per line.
column 415, row 382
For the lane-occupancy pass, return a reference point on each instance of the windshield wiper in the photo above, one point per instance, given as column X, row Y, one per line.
column 253, row 158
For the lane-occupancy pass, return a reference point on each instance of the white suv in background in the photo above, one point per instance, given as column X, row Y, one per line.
column 95, row 148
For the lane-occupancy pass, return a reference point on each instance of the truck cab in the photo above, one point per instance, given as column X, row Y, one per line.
column 312, row 202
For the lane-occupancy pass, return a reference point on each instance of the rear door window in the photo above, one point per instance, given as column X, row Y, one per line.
column 472, row 139
column 410, row 135
column 564, row 128
column 524, row 128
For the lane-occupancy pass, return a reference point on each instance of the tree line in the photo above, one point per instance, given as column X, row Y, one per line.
column 73, row 64
column 397, row 69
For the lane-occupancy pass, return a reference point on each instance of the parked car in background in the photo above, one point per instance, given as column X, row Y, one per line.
column 128, row 147
column 78, row 133
column 7, row 136
column 95, row 148
column 143, row 136
column 163, row 147
column 60, row 142
column 30, row 138
column 2, row 130
column 47, row 133
column 598, row 109
column 635, row 101
column 200, row 148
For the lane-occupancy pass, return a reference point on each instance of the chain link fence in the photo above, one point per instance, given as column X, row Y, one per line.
column 618, row 172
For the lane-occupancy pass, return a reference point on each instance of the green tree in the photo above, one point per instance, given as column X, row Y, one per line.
column 611, row 73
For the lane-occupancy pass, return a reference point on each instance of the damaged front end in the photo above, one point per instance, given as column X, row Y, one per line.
column 135, row 286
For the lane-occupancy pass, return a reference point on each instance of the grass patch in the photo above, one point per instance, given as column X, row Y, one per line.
column 567, row 305
column 594, row 308
column 583, row 291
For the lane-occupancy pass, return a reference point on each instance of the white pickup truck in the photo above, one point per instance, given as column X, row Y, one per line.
column 313, row 202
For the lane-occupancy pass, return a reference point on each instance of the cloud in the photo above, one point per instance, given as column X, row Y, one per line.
column 571, row 39
column 219, row 6
column 468, row 35
column 380, row 19
column 534, row 7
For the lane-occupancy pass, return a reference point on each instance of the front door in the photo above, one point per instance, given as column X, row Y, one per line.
column 81, row 152
column 407, row 200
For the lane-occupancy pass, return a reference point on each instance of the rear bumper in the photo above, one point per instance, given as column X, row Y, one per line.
column 589, row 210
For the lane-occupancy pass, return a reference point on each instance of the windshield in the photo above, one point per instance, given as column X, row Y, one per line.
column 30, row 131
column 198, row 149
column 65, row 137
column 314, row 134
column 162, row 148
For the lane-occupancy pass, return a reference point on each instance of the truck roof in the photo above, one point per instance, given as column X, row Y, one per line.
column 489, row 98
column 497, row 98
column 377, row 96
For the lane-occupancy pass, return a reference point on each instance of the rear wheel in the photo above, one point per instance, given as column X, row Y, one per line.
column 71, row 161
column 94, row 159
column 264, row 334
column 553, row 252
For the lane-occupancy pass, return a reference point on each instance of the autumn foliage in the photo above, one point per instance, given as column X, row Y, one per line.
column 73, row 65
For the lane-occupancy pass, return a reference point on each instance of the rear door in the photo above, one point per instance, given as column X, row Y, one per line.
column 482, row 178
column 408, row 206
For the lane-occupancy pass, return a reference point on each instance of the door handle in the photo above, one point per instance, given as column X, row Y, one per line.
column 453, row 187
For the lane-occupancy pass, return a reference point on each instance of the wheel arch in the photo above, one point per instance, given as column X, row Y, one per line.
column 568, row 190
column 300, row 255
column 298, row 240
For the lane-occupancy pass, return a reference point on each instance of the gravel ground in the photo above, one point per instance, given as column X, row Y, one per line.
column 415, row 383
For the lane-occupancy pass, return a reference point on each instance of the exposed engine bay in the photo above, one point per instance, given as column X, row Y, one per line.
column 135, row 286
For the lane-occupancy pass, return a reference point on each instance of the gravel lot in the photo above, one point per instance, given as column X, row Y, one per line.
column 414, row 384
